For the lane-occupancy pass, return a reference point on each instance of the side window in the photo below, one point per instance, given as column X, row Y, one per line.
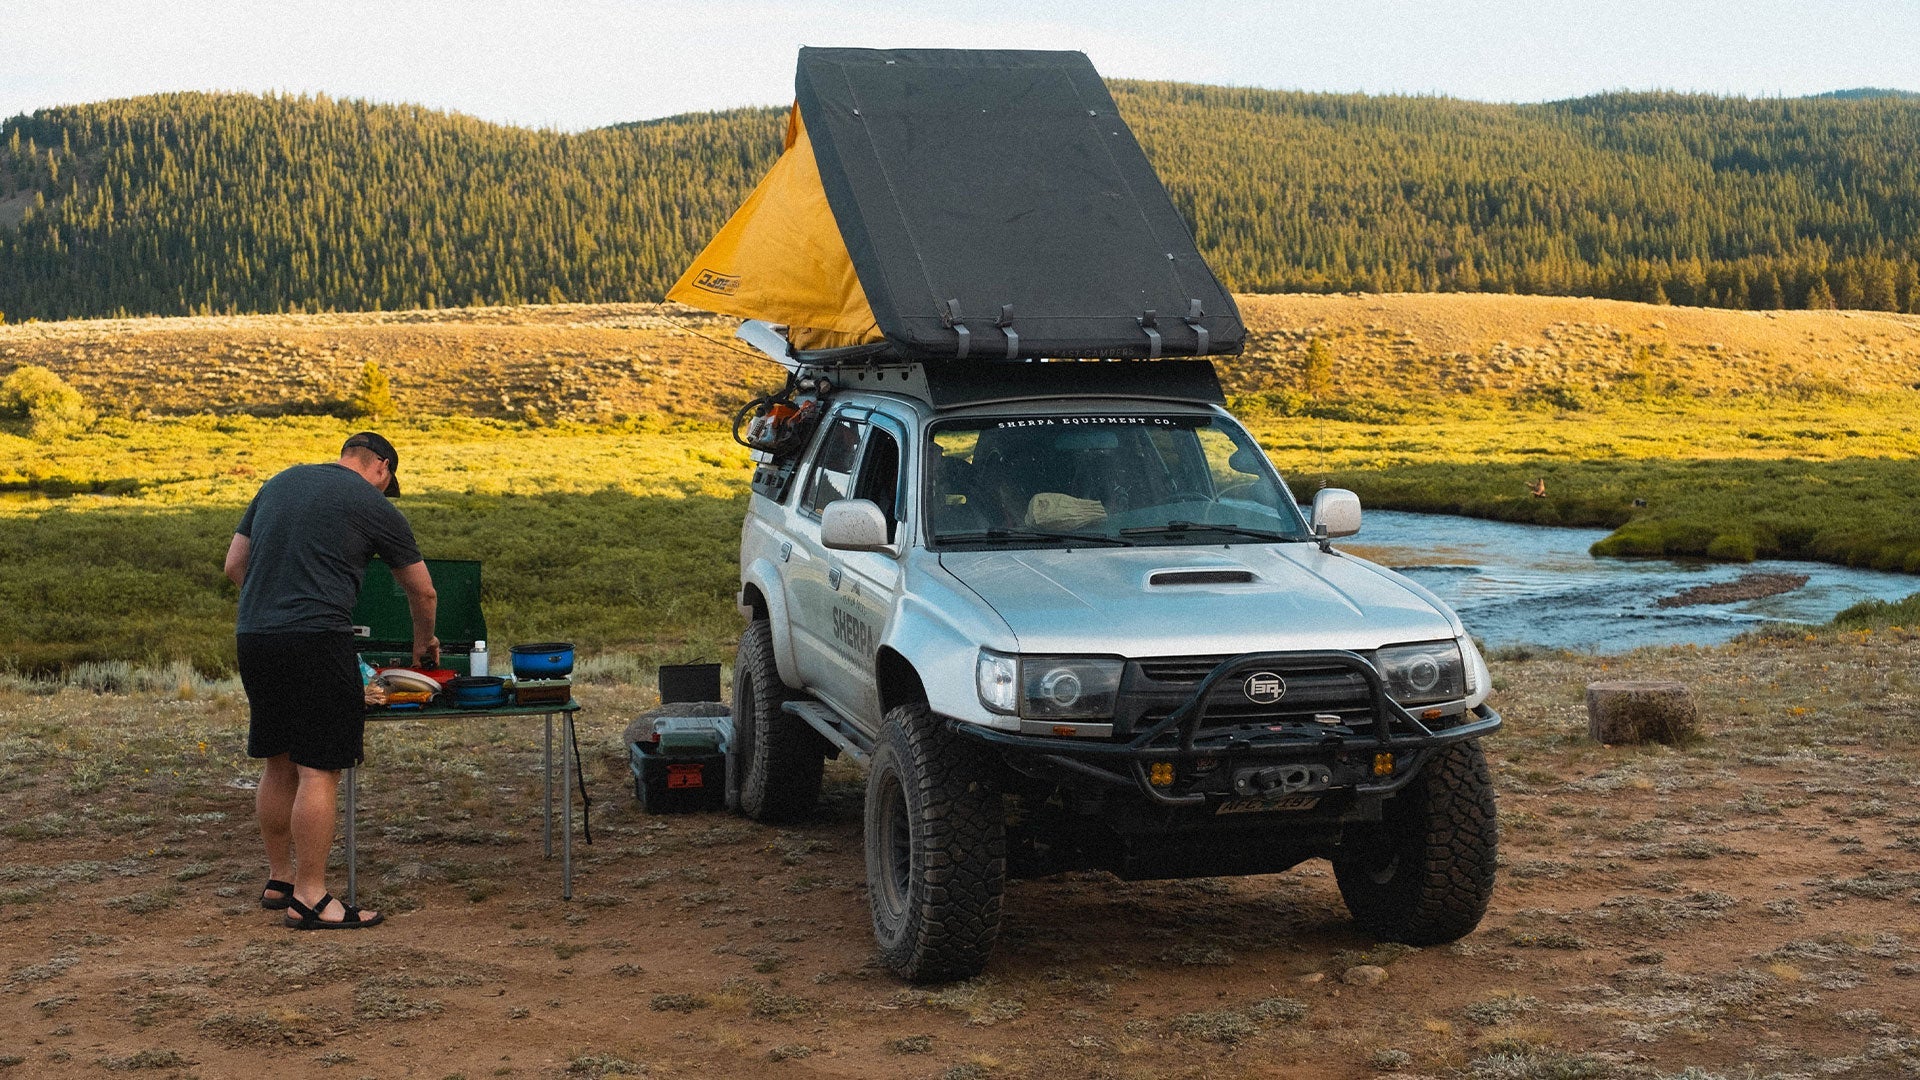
column 1235, row 468
column 832, row 475
column 880, row 476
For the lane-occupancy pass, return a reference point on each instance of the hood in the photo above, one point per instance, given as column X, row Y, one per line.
column 1197, row 601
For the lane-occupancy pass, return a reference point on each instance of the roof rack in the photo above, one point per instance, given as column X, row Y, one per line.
column 949, row 384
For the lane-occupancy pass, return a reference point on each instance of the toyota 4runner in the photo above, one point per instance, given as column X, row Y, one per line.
column 1068, row 616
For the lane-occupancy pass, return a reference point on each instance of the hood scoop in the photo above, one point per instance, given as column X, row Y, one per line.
column 1200, row 577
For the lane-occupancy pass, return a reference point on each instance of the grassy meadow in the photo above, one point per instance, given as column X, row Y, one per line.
column 610, row 537
column 1830, row 479
column 580, row 452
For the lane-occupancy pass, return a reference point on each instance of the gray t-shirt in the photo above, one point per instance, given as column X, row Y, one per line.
column 313, row 528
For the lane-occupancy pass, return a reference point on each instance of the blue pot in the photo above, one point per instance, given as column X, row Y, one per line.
column 478, row 691
column 545, row 660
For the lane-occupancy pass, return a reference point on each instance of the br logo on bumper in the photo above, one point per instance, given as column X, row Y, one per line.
column 1264, row 688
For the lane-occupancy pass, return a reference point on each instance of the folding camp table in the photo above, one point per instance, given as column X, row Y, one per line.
column 383, row 633
column 564, row 710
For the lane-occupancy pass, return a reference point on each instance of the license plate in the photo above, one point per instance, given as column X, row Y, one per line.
column 1254, row 804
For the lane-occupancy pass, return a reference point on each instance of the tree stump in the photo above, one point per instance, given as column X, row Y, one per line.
column 1641, row 710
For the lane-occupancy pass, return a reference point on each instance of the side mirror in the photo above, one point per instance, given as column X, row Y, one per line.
column 1336, row 512
column 854, row 525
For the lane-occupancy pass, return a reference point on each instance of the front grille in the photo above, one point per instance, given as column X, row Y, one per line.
column 1152, row 688
column 1180, row 669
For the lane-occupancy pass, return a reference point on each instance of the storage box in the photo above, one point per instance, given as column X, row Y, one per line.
column 689, row 682
column 689, row 734
column 678, row 783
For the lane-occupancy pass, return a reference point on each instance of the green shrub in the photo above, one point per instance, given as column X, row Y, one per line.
column 43, row 403
column 1872, row 614
column 1318, row 373
column 1731, row 547
column 372, row 394
column 1555, row 396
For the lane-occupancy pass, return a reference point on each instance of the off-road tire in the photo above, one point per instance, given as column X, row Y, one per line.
column 936, row 850
column 779, row 758
column 1425, row 874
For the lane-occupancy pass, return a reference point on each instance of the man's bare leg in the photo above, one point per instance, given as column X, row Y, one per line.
column 273, row 806
column 313, row 812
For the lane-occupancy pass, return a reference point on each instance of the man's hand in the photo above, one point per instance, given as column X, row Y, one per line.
column 426, row 656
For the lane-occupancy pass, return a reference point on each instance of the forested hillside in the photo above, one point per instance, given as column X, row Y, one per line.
column 197, row 203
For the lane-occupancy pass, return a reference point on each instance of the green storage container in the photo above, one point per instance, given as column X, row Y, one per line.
column 383, row 626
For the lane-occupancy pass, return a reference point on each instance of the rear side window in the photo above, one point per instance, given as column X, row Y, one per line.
column 880, row 475
column 832, row 476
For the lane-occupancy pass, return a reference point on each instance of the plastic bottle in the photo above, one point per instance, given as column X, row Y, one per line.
column 477, row 659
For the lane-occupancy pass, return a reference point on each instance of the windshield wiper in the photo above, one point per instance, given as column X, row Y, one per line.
column 1032, row 534
column 1181, row 528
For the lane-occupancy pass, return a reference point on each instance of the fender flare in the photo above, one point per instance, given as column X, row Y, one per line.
column 762, row 576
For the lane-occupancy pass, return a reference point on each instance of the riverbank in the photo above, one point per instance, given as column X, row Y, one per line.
column 1727, row 479
column 579, row 451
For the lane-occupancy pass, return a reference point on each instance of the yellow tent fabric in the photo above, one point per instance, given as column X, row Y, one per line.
column 780, row 258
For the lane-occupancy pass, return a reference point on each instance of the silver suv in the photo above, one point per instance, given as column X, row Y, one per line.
column 1068, row 616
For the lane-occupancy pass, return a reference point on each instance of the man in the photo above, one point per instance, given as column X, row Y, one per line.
column 299, row 555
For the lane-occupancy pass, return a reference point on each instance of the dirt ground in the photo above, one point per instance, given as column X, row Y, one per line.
column 1744, row 906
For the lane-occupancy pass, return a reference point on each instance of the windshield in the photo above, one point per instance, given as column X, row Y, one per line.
column 1050, row 481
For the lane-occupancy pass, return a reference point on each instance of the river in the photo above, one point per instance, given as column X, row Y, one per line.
column 1536, row 584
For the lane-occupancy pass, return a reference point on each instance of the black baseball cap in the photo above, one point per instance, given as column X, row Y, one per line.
column 376, row 444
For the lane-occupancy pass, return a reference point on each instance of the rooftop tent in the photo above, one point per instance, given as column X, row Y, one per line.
column 964, row 204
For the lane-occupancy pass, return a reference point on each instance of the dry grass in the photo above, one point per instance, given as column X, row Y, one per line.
column 612, row 361
column 1416, row 343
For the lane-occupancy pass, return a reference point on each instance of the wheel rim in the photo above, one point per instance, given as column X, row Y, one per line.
column 1381, row 872
column 1375, row 858
column 896, row 847
column 744, row 706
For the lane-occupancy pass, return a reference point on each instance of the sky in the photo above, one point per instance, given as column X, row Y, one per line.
column 578, row 64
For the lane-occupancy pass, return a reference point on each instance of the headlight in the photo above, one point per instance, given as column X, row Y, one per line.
column 1062, row 688
column 1048, row 687
column 1426, row 672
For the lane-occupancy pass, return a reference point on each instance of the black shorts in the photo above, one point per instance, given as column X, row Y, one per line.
column 306, row 697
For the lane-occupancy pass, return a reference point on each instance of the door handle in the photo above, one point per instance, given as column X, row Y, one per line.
column 833, row 578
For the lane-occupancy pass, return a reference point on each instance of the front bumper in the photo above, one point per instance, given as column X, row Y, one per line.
column 1298, row 758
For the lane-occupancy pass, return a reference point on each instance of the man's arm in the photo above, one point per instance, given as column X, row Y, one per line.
column 424, row 604
column 238, row 553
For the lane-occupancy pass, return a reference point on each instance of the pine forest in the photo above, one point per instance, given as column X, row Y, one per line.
column 205, row 203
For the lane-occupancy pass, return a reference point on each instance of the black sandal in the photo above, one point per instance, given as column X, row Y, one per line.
column 310, row 916
column 279, row 903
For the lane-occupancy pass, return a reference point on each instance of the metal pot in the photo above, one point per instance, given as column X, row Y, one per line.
column 478, row 691
column 544, row 660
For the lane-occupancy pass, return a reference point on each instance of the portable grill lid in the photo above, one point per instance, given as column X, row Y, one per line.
column 382, row 622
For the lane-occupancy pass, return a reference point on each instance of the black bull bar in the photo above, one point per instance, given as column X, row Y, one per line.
column 1395, row 731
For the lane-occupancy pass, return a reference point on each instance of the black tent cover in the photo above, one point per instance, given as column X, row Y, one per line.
column 995, row 205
